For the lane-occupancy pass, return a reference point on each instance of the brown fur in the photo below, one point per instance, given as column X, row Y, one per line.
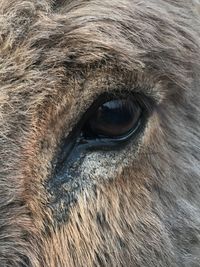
column 137, row 207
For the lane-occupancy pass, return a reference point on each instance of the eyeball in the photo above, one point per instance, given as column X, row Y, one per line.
column 113, row 119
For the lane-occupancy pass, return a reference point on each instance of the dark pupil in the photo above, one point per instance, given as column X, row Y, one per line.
column 114, row 118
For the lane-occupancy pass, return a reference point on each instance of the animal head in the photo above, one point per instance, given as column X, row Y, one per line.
column 99, row 133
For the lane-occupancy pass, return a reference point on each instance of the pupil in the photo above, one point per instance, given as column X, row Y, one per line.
column 115, row 118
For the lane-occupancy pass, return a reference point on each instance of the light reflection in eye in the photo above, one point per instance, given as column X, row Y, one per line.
column 113, row 118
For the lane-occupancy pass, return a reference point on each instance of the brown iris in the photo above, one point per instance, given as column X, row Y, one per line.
column 114, row 118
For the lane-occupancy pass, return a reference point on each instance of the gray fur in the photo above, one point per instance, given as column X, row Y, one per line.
column 137, row 207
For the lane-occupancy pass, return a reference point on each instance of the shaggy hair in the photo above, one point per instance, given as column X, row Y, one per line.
column 138, row 206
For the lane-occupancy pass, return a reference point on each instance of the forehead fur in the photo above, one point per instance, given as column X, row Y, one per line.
column 159, row 36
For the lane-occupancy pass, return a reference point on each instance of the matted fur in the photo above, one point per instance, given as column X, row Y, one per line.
column 137, row 207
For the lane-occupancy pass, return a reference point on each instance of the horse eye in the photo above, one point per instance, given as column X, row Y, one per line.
column 113, row 119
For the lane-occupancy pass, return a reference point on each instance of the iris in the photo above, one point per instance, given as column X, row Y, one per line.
column 113, row 119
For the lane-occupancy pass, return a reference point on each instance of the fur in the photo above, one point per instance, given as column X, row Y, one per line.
column 139, row 206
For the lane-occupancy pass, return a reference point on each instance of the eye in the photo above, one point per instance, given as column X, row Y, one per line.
column 114, row 119
column 108, row 123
